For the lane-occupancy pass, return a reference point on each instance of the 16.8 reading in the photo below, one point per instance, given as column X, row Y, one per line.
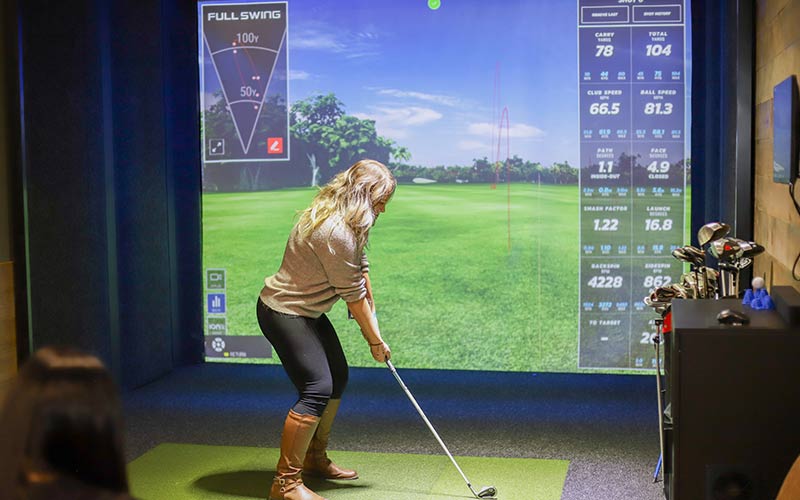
column 657, row 224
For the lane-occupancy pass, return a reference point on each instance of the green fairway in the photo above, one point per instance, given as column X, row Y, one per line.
column 449, row 291
column 183, row 472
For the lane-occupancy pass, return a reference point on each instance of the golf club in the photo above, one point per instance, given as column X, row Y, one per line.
column 690, row 283
column 698, row 255
column 712, row 231
column 751, row 249
column 728, row 280
column 710, row 281
column 680, row 254
column 663, row 294
column 696, row 259
column 707, row 281
column 660, row 307
column 724, row 249
column 697, row 268
column 680, row 291
column 486, row 491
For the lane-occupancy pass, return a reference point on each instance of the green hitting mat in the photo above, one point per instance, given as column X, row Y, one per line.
column 187, row 471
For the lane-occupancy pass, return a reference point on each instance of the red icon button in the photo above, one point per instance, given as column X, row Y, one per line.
column 274, row 145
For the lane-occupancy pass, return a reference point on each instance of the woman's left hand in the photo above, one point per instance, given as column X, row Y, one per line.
column 380, row 352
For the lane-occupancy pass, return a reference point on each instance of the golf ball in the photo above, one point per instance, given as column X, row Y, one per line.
column 758, row 282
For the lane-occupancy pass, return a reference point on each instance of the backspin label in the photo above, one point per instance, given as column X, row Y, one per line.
column 632, row 87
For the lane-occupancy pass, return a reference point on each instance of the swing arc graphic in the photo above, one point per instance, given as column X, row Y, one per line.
column 244, row 42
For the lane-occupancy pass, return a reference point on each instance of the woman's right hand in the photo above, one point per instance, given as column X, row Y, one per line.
column 380, row 352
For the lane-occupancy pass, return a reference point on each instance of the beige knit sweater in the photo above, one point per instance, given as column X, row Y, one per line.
column 316, row 272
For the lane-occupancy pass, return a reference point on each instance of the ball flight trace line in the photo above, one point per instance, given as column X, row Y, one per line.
column 496, row 151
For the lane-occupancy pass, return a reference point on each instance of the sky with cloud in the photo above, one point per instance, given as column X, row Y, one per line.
column 437, row 81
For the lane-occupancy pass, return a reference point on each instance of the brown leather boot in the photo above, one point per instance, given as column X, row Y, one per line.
column 297, row 432
column 317, row 462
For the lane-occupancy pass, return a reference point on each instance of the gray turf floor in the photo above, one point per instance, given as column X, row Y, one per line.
column 605, row 425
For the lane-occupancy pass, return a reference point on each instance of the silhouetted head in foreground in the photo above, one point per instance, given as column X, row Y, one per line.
column 61, row 423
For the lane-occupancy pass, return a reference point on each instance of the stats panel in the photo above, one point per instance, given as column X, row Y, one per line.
column 632, row 88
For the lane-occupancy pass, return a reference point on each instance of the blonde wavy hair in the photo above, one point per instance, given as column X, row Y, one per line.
column 352, row 194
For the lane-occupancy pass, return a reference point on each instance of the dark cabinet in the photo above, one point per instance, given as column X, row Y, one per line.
column 732, row 403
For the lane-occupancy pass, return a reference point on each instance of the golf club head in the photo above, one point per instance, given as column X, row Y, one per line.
column 749, row 249
column 654, row 303
column 712, row 231
column 487, row 492
column 724, row 249
column 659, row 307
column 680, row 254
column 680, row 291
column 663, row 294
column 698, row 255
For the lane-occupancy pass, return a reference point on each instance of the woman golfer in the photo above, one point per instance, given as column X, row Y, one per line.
column 324, row 261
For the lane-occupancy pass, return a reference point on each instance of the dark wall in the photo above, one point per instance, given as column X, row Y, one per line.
column 723, row 37
column 110, row 191
column 7, row 71
column 183, row 175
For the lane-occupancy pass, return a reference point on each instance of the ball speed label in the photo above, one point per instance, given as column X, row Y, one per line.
column 633, row 172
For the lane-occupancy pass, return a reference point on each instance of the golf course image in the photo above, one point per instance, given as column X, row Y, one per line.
column 450, row 290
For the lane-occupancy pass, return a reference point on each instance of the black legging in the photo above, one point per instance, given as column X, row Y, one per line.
column 311, row 355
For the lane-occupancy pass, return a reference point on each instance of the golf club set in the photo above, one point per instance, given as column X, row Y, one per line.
column 703, row 282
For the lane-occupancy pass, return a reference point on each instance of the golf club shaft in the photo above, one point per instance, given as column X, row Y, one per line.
column 659, row 333
column 428, row 423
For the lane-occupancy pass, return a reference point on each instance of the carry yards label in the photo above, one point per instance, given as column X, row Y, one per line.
column 244, row 84
column 632, row 87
